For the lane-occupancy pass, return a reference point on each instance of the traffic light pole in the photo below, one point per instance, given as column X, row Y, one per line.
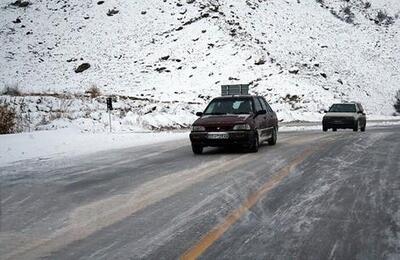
column 109, row 108
column 109, row 117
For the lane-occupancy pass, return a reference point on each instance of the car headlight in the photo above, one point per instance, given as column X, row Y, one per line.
column 198, row 128
column 242, row 127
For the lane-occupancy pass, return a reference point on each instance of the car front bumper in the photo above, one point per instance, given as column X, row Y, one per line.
column 235, row 138
column 340, row 123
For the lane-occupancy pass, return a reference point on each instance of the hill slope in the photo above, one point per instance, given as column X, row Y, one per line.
column 303, row 55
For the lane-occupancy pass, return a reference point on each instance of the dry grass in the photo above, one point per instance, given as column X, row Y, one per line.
column 8, row 120
column 397, row 102
column 12, row 91
column 93, row 91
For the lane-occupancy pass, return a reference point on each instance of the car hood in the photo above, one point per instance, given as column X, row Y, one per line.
column 339, row 114
column 209, row 120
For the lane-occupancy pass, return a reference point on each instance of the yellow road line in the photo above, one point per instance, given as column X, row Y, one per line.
column 215, row 233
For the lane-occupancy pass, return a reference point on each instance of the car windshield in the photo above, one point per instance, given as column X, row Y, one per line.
column 229, row 106
column 349, row 108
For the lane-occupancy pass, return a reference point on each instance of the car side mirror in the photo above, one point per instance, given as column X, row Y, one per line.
column 261, row 112
column 199, row 114
column 325, row 111
column 360, row 112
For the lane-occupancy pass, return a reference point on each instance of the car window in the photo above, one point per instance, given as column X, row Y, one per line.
column 264, row 107
column 269, row 109
column 229, row 106
column 257, row 104
column 360, row 108
column 346, row 108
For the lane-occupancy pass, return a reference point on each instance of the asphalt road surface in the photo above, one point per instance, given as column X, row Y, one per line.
column 314, row 195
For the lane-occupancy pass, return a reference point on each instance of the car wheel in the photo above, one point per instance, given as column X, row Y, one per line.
column 356, row 126
column 255, row 144
column 274, row 137
column 334, row 129
column 363, row 128
column 197, row 149
column 324, row 128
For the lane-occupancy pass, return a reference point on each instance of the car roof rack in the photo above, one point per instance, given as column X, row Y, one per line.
column 234, row 90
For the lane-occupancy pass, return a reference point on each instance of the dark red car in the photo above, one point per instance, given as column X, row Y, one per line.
column 242, row 120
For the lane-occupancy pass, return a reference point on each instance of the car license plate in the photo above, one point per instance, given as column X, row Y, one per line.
column 217, row 135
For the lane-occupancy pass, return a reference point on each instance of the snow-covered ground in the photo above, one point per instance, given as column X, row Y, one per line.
column 71, row 142
column 64, row 143
column 308, row 126
column 90, row 114
column 301, row 55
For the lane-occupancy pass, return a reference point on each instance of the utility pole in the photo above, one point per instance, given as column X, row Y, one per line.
column 109, row 108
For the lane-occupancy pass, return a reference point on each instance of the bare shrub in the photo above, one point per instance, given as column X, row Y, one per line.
column 24, row 119
column 382, row 18
column 346, row 10
column 397, row 102
column 62, row 111
column 214, row 5
column 12, row 91
column 93, row 91
column 348, row 14
column 7, row 120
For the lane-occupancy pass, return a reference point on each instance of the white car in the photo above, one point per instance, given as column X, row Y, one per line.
column 345, row 115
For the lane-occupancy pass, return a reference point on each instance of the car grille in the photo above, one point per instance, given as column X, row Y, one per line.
column 340, row 120
column 219, row 128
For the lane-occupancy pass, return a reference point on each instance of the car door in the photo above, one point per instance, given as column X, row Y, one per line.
column 266, row 118
column 271, row 120
column 260, row 120
column 362, row 116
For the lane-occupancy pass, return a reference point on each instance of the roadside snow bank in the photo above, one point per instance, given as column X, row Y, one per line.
column 310, row 126
column 131, row 114
column 42, row 145
column 70, row 142
column 172, row 57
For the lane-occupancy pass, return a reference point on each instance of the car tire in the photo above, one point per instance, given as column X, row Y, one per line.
column 197, row 149
column 274, row 137
column 363, row 128
column 356, row 126
column 324, row 128
column 334, row 129
column 255, row 143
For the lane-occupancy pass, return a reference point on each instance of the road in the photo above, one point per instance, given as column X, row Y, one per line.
column 314, row 195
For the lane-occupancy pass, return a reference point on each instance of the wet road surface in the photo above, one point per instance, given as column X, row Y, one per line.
column 314, row 195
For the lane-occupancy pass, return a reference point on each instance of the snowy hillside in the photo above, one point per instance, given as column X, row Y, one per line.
column 301, row 54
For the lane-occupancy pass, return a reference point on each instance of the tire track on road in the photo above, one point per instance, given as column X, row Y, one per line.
column 218, row 231
column 87, row 219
